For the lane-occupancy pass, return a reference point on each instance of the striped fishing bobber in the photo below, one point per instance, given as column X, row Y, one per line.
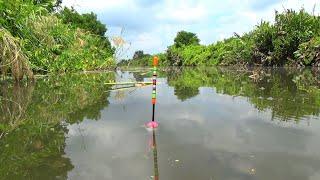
column 154, row 80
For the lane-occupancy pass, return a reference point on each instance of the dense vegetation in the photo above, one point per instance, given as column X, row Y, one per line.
column 293, row 39
column 36, row 37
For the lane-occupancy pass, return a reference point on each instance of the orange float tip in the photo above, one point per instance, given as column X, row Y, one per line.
column 155, row 60
column 154, row 101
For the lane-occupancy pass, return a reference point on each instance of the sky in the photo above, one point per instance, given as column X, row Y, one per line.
column 151, row 25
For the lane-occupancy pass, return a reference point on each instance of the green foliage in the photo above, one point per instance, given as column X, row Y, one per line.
column 232, row 51
column 145, row 60
column 309, row 52
column 50, row 5
column 185, row 38
column 276, row 44
column 53, row 45
column 191, row 55
column 270, row 44
column 88, row 21
column 263, row 37
column 56, row 47
column 162, row 59
column 173, row 58
column 15, row 12
column 138, row 55
column 139, row 59
column 292, row 29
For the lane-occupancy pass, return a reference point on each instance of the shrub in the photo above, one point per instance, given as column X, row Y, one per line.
column 173, row 57
column 195, row 55
column 309, row 53
column 292, row 29
column 232, row 51
column 263, row 37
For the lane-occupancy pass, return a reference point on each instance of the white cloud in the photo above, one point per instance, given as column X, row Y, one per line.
column 182, row 12
column 148, row 41
column 96, row 5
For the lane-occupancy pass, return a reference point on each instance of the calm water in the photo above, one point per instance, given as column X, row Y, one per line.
column 215, row 123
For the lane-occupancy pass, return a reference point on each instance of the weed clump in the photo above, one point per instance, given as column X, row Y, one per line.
column 12, row 59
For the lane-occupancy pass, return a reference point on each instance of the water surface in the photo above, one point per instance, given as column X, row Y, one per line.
column 215, row 123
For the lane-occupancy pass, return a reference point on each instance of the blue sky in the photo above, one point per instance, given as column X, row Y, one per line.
column 151, row 25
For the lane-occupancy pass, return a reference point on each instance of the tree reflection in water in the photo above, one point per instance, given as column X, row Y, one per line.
column 33, row 122
column 290, row 94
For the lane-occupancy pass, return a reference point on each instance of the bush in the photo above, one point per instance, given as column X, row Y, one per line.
column 263, row 37
column 309, row 53
column 15, row 12
column 173, row 57
column 195, row 55
column 232, row 51
column 54, row 46
column 292, row 29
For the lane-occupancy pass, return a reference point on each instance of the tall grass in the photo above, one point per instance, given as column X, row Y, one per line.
column 12, row 59
column 37, row 39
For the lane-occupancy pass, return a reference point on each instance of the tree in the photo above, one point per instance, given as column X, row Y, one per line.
column 138, row 55
column 50, row 5
column 185, row 38
column 88, row 21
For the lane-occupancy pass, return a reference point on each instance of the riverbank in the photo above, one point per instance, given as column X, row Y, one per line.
column 39, row 37
column 292, row 40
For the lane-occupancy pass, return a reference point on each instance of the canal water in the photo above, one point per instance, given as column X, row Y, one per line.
column 215, row 123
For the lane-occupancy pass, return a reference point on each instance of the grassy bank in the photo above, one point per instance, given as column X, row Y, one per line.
column 293, row 39
column 40, row 37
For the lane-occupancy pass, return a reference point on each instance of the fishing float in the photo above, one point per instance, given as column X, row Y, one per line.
column 153, row 124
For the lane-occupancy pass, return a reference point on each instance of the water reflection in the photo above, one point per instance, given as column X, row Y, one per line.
column 33, row 122
column 288, row 93
column 155, row 155
column 215, row 124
